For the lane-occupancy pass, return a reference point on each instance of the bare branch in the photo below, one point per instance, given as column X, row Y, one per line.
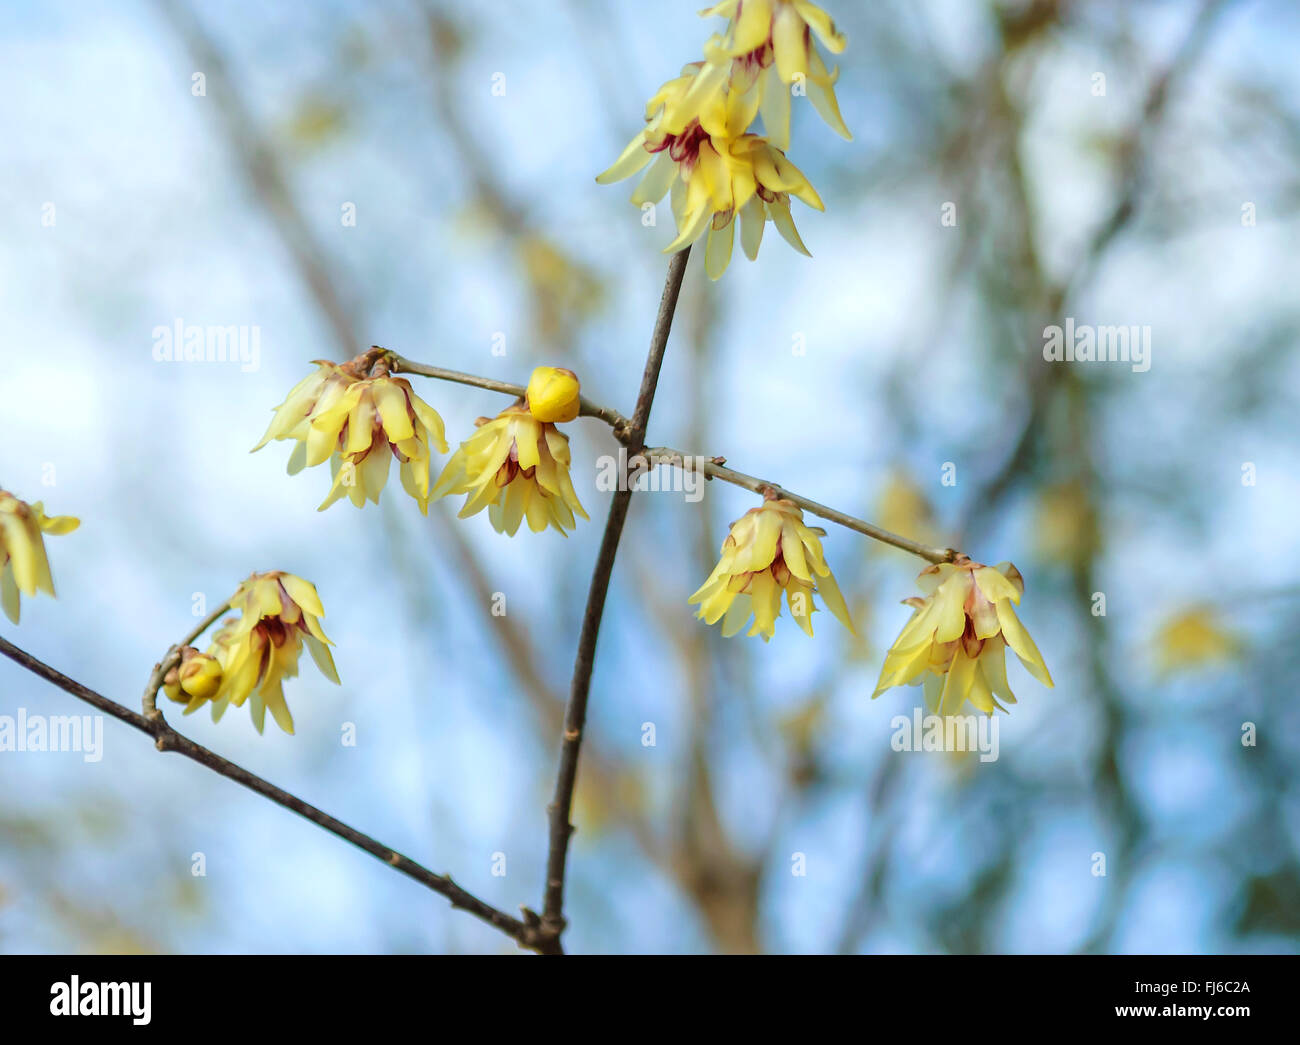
column 587, row 408
column 525, row 933
column 576, row 714
column 625, row 432
column 715, row 470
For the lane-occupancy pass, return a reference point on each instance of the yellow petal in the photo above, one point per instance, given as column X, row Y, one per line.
column 717, row 252
column 630, row 160
column 779, row 210
column 391, row 403
column 1018, row 639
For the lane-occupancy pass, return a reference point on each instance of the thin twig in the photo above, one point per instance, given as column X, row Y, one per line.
column 586, row 408
column 575, row 715
column 625, row 432
column 711, row 468
column 525, row 933
column 170, row 659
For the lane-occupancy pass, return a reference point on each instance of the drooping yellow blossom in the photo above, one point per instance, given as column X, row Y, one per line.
column 553, row 394
column 196, row 678
column 358, row 417
column 767, row 49
column 768, row 551
column 957, row 638
column 258, row 650
column 321, row 389
column 23, row 566
column 1194, row 638
column 714, row 179
column 698, row 126
column 517, row 465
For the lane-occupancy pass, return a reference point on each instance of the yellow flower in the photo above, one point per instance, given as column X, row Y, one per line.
column 769, row 550
column 714, row 179
column 517, row 467
column 258, row 650
column 957, row 638
column 1194, row 638
column 359, row 418
column 769, row 44
column 553, row 394
column 23, row 565
column 196, row 678
column 322, row 389
column 376, row 420
column 696, row 124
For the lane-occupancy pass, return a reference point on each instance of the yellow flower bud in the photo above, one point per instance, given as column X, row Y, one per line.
column 553, row 394
column 195, row 679
column 172, row 687
column 769, row 551
column 200, row 675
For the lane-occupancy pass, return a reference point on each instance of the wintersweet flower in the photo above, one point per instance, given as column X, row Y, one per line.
column 23, row 566
column 375, row 421
column 698, row 125
column 358, row 417
column 279, row 613
column 768, row 551
column 321, row 389
column 517, row 465
column 770, row 42
column 957, row 637
column 712, row 180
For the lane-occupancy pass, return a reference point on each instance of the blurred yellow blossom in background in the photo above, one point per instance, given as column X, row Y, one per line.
column 1194, row 638
column 903, row 508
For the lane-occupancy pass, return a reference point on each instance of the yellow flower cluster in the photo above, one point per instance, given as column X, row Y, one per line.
column 698, row 127
column 23, row 566
column 956, row 640
column 359, row 418
column 768, row 551
column 253, row 654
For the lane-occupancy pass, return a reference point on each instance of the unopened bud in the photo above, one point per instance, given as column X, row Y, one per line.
column 553, row 394
column 199, row 676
